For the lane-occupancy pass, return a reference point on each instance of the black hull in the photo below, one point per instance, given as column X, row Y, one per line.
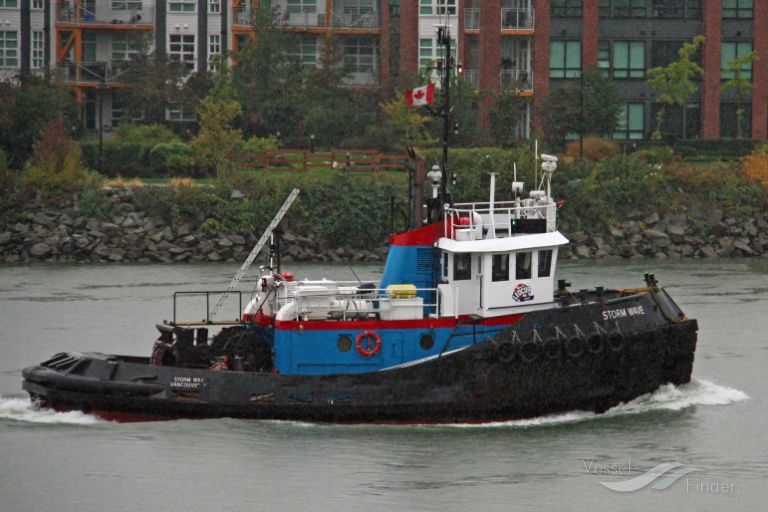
column 552, row 361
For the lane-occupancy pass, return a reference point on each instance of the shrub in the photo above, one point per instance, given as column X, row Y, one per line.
column 755, row 168
column 593, row 148
column 55, row 168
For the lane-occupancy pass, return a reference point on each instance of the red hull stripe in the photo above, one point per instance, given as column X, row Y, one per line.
column 324, row 325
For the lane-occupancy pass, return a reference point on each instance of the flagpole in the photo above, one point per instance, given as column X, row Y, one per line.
column 444, row 39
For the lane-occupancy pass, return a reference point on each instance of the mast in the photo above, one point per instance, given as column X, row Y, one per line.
column 444, row 110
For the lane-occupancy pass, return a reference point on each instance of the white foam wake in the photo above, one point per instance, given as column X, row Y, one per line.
column 21, row 409
column 668, row 397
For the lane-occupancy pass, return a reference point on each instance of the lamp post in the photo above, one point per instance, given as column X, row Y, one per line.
column 100, row 91
column 585, row 89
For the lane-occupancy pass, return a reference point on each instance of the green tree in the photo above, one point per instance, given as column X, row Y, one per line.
column 217, row 136
column 674, row 83
column 739, row 83
column 334, row 113
column 159, row 83
column 268, row 78
column 407, row 126
column 589, row 106
column 26, row 108
column 504, row 117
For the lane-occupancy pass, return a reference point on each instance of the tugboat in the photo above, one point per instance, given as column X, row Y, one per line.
column 467, row 325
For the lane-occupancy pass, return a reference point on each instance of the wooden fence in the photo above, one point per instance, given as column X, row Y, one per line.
column 304, row 160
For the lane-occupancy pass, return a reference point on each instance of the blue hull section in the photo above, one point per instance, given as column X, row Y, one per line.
column 311, row 348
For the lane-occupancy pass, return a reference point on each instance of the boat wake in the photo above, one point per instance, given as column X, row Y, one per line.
column 22, row 410
column 666, row 398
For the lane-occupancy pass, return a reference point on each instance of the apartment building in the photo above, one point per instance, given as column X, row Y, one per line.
column 530, row 46
column 522, row 46
column 92, row 41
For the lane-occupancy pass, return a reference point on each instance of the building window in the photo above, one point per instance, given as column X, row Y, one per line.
column 523, row 265
column 179, row 114
column 500, row 267
column 545, row 263
column 125, row 46
column 622, row 8
column 359, row 53
column 731, row 51
column 738, row 8
column 305, row 50
column 214, row 6
column 690, row 9
column 462, row 266
column 126, row 5
column 181, row 5
column 565, row 59
column 37, row 5
column 118, row 110
column 438, row 7
column 214, row 51
column 429, row 54
column 9, row 4
column 182, row 49
column 298, row 6
column 734, row 124
column 566, row 8
column 9, row 49
column 631, row 122
column 628, row 59
column 37, row 49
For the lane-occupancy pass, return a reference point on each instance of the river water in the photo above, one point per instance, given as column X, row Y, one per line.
column 715, row 427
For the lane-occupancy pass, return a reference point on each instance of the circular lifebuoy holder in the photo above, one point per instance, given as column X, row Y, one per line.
column 506, row 352
column 368, row 343
column 595, row 343
column 616, row 341
column 574, row 346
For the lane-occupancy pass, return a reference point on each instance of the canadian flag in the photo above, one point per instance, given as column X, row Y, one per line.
column 419, row 96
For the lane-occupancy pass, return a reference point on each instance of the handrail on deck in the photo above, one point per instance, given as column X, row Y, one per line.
column 207, row 320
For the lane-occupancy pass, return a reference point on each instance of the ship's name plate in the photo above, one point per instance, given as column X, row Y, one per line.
column 612, row 314
column 180, row 382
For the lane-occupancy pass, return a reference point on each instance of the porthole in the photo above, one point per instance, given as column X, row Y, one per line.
column 344, row 344
column 427, row 341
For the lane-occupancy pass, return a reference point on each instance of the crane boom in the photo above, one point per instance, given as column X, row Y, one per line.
column 256, row 249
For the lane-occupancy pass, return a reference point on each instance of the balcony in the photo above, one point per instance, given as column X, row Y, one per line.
column 472, row 19
column 519, row 80
column 512, row 20
column 241, row 16
column 362, row 78
column 516, row 20
column 106, row 16
column 354, row 19
column 93, row 72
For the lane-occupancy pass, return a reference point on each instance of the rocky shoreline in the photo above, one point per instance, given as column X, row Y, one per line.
column 66, row 234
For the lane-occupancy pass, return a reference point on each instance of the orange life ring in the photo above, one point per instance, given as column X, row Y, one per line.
column 367, row 351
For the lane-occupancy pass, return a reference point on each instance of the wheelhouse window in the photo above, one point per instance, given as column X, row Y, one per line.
column 500, row 267
column 523, row 265
column 545, row 263
column 462, row 266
